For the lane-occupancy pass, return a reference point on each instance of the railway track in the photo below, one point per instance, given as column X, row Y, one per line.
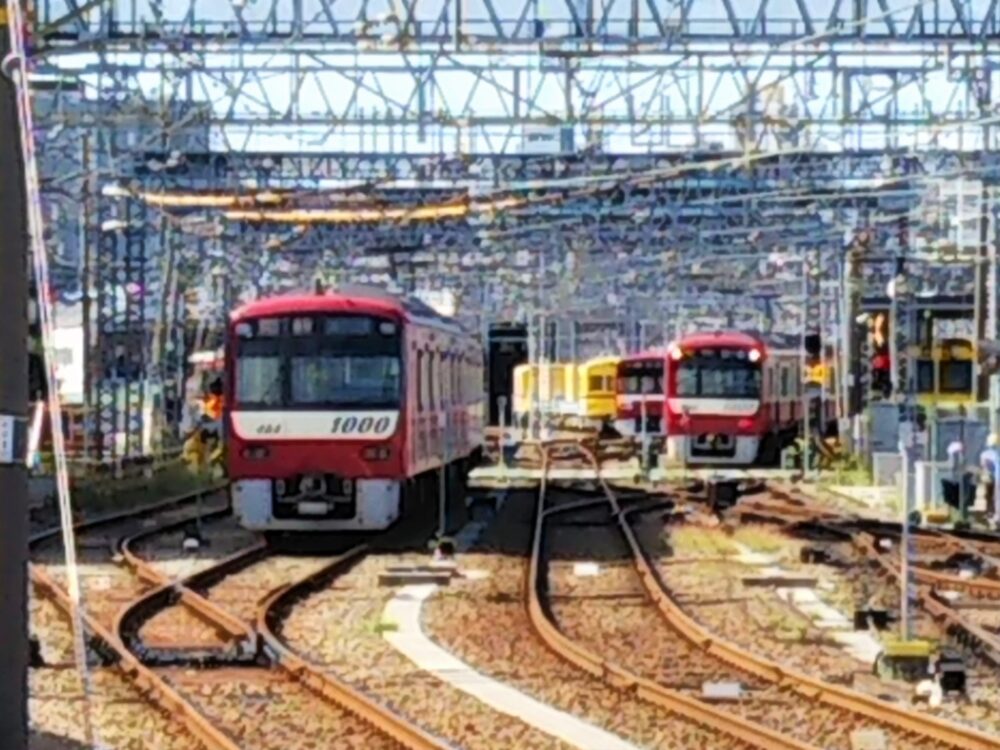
column 232, row 705
column 941, row 612
column 105, row 591
column 933, row 586
column 484, row 621
column 575, row 638
column 264, row 694
column 907, row 727
column 335, row 619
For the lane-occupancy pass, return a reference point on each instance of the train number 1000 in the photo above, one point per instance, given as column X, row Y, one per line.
column 360, row 426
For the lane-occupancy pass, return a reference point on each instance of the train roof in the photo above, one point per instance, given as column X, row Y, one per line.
column 604, row 359
column 361, row 300
column 644, row 355
column 720, row 338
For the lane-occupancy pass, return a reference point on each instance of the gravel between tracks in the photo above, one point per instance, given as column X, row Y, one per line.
column 123, row 720
column 223, row 537
column 337, row 628
column 264, row 709
column 107, row 584
column 484, row 621
column 780, row 636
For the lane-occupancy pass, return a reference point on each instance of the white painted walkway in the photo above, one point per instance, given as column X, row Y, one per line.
column 404, row 611
column 859, row 644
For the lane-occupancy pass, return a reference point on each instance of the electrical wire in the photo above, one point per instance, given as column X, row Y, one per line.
column 16, row 64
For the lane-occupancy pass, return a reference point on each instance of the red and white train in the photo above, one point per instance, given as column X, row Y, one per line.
column 725, row 398
column 341, row 406
column 639, row 393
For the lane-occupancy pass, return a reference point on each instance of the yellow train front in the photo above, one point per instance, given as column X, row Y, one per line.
column 565, row 394
column 946, row 373
column 596, row 390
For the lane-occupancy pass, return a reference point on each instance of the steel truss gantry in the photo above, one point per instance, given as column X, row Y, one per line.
column 846, row 113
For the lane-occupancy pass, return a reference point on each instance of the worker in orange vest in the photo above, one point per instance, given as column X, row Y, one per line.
column 213, row 401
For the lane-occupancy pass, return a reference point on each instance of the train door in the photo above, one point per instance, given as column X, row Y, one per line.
column 506, row 349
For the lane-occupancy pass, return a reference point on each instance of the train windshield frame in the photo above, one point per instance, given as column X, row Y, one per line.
column 317, row 361
column 643, row 377
column 955, row 376
column 717, row 372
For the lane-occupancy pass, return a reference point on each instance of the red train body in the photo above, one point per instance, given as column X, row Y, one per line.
column 731, row 399
column 725, row 399
column 340, row 405
column 639, row 391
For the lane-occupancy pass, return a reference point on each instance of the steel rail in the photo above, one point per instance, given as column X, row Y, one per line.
column 927, row 598
column 960, row 541
column 616, row 675
column 877, row 710
column 321, row 681
column 939, row 609
column 231, row 627
column 185, row 498
column 262, row 635
column 145, row 680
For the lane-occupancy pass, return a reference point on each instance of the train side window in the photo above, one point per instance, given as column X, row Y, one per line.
column 431, row 381
column 463, row 384
column 784, row 382
column 446, row 367
column 421, row 382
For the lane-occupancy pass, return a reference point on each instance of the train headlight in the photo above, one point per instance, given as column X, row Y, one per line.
column 754, row 355
column 256, row 453
column 676, row 353
column 376, row 453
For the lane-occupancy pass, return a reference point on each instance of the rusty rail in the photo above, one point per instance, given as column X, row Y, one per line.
column 144, row 679
column 323, row 683
column 617, row 676
column 209, row 612
column 810, row 687
column 868, row 545
column 86, row 524
column 980, row 587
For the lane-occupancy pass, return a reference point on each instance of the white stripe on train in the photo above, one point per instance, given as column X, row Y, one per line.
column 729, row 407
column 315, row 425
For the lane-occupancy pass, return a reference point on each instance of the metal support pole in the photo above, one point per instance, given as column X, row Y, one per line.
column 443, row 484
column 908, row 451
column 992, row 313
column 502, row 409
column 643, row 434
column 13, row 417
column 806, row 403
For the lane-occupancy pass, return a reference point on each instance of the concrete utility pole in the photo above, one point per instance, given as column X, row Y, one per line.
column 13, row 416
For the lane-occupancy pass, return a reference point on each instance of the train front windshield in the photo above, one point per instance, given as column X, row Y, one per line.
column 717, row 372
column 318, row 362
column 643, row 378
